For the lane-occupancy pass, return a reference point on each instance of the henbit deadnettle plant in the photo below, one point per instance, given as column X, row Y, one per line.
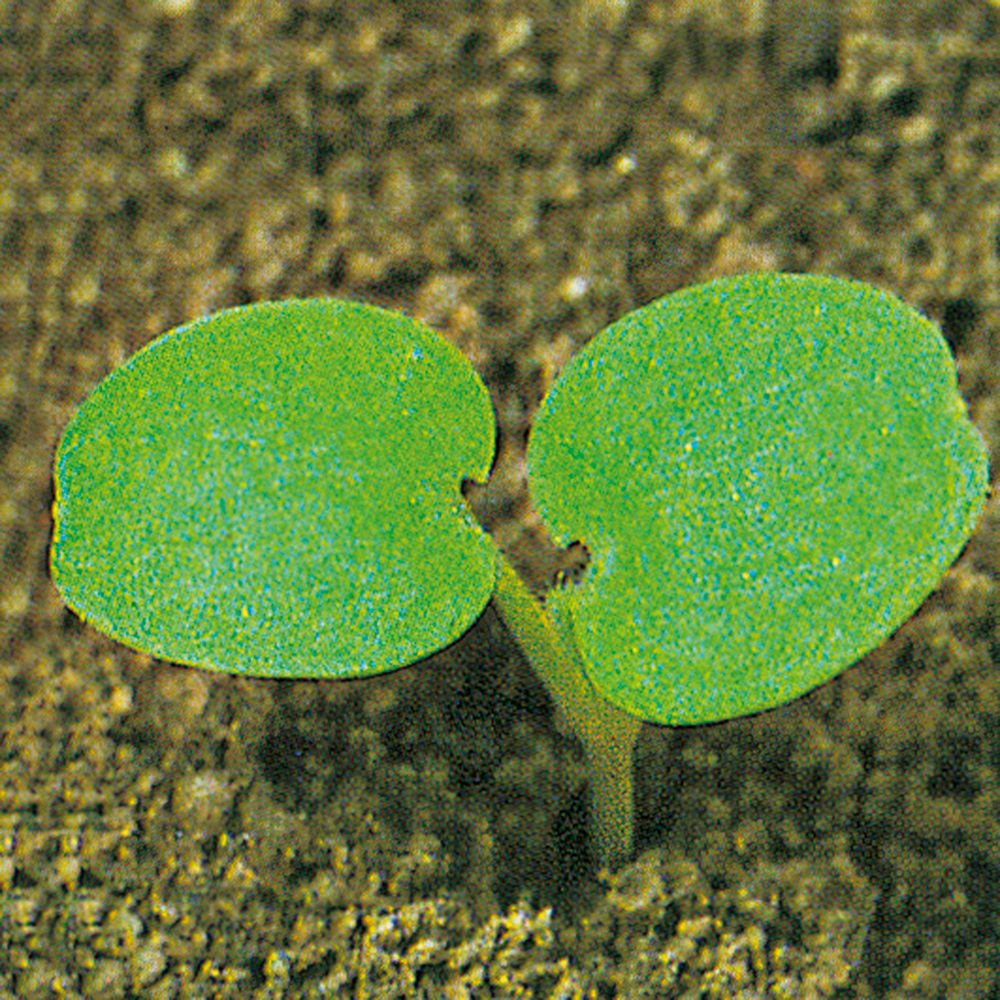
column 770, row 472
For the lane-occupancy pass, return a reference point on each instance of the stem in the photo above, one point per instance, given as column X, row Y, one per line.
column 607, row 733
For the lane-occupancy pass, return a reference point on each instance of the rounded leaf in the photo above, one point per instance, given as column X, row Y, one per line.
column 274, row 490
column 771, row 472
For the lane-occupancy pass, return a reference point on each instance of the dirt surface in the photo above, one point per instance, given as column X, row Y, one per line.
column 518, row 175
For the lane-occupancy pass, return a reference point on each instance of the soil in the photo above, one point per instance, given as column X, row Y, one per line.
column 518, row 175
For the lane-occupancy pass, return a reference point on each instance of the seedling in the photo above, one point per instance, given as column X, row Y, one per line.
column 770, row 472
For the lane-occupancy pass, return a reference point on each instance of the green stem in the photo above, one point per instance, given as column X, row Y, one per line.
column 607, row 733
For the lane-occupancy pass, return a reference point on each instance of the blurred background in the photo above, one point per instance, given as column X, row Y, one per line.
column 518, row 175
